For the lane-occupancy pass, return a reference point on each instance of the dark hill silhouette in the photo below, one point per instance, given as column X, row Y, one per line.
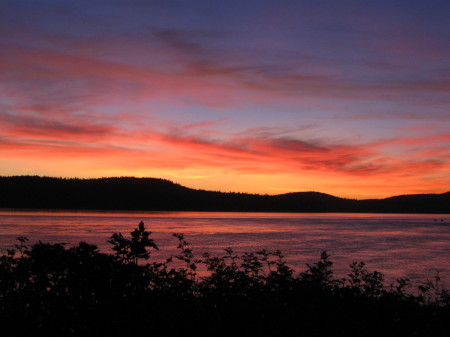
column 129, row 193
column 414, row 203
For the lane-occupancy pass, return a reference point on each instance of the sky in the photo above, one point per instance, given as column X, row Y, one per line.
column 343, row 97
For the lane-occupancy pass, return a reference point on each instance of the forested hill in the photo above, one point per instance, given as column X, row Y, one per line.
column 126, row 193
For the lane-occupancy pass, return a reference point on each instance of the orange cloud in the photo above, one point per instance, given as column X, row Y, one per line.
column 251, row 156
column 73, row 109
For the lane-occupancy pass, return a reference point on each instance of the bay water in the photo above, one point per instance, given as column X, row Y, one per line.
column 398, row 245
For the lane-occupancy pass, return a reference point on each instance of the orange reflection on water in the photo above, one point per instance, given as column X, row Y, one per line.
column 398, row 245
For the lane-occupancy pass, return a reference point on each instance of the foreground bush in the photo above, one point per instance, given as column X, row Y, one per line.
column 50, row 289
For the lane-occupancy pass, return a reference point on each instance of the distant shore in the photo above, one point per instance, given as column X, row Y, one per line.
column 151, row 194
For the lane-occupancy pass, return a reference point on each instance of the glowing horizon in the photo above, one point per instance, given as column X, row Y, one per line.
column 244, row 96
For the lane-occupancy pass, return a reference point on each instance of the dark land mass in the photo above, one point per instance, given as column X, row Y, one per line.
column 150, row 194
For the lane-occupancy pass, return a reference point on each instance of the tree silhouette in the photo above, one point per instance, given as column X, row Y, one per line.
column 135, row 248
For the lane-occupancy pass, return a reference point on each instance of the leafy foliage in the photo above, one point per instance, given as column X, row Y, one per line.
column 78, row 291
column 131, row 250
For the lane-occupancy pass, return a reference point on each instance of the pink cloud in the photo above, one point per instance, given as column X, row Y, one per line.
column 260, row 153
column 196, row 146
column 28, row 126
column 58, row 102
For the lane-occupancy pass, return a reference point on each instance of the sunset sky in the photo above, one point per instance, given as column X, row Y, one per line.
column 349, row 98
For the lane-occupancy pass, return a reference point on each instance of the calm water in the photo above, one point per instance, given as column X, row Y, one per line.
column 413, row 246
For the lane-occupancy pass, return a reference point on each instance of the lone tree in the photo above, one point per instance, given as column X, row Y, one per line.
column 130, row 250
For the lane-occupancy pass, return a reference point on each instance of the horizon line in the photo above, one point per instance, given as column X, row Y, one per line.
column 200, row 189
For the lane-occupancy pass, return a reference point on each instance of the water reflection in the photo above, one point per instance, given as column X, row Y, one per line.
column 413, row 246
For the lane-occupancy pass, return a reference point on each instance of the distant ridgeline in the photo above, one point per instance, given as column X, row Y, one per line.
column 127, row 193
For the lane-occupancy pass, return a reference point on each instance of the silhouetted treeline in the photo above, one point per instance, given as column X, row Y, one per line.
column 51, row 290
column 127, row 193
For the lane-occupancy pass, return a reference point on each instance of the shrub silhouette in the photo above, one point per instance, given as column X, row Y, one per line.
column 79, row 291
column 131, row 250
